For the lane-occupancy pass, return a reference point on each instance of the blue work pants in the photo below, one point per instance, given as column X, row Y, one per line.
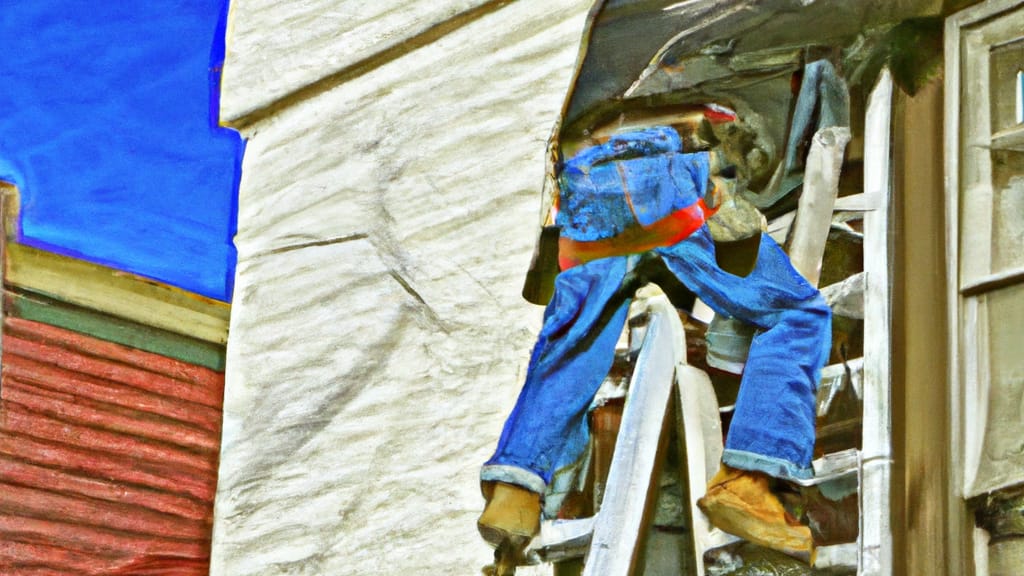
column 772, row 429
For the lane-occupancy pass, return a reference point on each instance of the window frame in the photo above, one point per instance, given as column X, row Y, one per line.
column 970, row 37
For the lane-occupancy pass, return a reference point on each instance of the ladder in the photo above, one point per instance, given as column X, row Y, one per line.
column 665, row 390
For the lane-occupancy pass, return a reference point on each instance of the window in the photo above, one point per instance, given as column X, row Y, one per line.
column 985, row 233
column 985, row 179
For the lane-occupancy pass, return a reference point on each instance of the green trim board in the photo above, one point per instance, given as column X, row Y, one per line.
column 116, row 293
column 39, row 308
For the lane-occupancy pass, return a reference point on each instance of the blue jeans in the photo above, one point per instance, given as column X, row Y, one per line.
column 772, row 429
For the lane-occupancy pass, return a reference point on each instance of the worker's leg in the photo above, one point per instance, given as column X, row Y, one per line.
column 575, row 349
column 772, row 429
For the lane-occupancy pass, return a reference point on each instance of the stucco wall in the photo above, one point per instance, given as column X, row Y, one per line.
column 387, row 214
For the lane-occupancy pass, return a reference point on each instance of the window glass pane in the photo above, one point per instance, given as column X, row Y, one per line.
column 1002, row 456
column 1020, row 95
column 1007, row 210
column 1007, row 157
column 1005, row 65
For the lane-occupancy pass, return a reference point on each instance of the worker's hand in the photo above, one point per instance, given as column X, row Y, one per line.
column 719, row 191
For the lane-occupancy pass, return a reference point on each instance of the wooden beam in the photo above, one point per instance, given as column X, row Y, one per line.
column 620, row 523
column 45, row 310
column 876, row 552
column 814, row 214
column 702, row 433
column 116, row 293
column 993, row 282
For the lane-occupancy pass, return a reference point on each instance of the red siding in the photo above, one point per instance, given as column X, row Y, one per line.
column 108, row 457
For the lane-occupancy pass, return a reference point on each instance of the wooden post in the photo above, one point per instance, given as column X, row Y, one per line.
column 1001, row 514
column 814, row 214
column 875, row 482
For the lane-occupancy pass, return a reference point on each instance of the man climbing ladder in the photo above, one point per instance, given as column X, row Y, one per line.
column 638, row 194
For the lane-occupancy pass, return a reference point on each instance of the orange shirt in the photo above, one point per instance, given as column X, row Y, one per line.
column 665, row 232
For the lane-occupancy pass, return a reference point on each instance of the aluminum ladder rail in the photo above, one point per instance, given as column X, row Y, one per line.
column 660, row 368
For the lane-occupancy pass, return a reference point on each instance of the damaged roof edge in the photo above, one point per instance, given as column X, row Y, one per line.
column 626, row 40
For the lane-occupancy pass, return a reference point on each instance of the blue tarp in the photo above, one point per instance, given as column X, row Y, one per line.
column 108, row 128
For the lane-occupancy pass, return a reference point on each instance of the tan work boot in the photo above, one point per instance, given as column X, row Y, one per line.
column 509, row 521
column 741, row 503
column 511, row 512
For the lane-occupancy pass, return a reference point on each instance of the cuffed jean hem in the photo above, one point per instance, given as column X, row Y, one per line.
column 513, row 475
column 774, row 467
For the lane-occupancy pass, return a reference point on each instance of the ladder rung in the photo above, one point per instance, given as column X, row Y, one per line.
column 563, row 539
column 718, row 538
column 832, row 467
column 837, row 556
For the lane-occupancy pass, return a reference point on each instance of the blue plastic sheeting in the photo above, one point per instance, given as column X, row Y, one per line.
column 108, row 128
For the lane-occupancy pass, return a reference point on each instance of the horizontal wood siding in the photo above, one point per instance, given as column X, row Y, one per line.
column 108, row 457
column 32, row 306
column 116, row 293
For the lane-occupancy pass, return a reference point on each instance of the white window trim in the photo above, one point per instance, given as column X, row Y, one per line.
column 969, row 36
